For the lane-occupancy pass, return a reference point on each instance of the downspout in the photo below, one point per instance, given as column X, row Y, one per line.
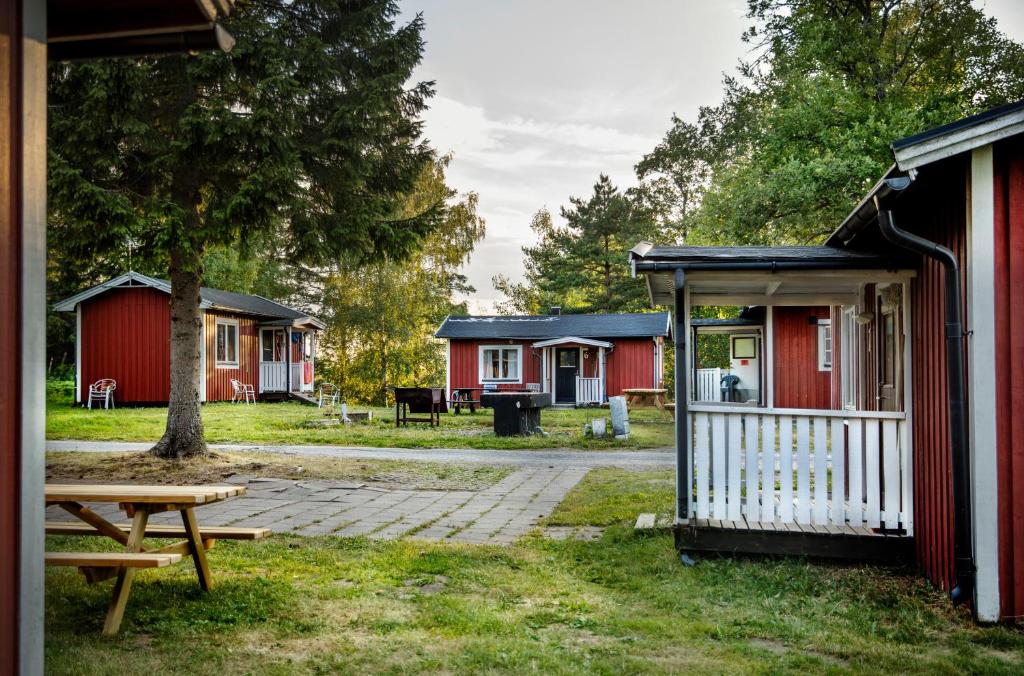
column 963, row 550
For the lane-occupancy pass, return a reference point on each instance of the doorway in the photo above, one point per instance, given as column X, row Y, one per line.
column 567, row 368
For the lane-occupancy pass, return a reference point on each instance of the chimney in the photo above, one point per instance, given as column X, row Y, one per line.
column 555, row 310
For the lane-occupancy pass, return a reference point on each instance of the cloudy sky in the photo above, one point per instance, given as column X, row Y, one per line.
column 535, row 98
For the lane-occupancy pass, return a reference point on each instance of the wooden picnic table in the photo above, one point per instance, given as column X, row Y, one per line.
column 464, row 396
column 639, row 397
column 139, row 502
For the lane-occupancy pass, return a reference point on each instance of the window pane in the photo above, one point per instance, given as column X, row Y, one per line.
column 220, row 342
column 232, row 343
column 267, row 341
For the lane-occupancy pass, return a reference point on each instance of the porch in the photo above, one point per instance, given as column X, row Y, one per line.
column 287, row 359
column 757, row 478
column 573, row 370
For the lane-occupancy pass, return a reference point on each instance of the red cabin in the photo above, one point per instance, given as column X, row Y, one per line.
column 920, row 453
column 122, row 331
column 579, row 359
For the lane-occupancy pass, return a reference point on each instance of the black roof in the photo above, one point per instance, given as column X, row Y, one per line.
column 248, row 304
column 633, row 325
column 725, row 256
column 964, row 123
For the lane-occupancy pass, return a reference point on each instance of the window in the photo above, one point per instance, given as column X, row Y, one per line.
column 824, row 345
column 227, row 344
column 744, row 348
column 888, row 348
column 500, row 363
column 849, row 358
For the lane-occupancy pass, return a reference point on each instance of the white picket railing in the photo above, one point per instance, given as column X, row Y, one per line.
column 804, row 466
column 708, row 384
column 588, row 390
column 273, row 376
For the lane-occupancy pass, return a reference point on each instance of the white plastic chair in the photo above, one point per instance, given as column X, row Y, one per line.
column 242, row 392
column 328, row 395
column 103, row 390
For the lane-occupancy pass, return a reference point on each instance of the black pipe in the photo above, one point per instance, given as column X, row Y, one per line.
column 963, row 550
column 682, row 401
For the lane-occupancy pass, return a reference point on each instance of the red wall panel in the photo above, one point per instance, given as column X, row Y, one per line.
column 1009, row 309
column 798, row 382
column 940, row 215
column 630, row 364
column 465, row 363
column 218, row 380
column 126, row 336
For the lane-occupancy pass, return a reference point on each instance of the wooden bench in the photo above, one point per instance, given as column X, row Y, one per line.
column 111, row 559
column 161, row 531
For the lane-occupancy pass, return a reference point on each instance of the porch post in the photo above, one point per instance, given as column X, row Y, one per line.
column 600, row 372
column 769, row 358
column 288, row 360
column 682, row 330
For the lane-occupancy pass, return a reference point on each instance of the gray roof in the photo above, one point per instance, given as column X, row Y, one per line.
column 216, row 299
column 633, row 325
column 725, row 257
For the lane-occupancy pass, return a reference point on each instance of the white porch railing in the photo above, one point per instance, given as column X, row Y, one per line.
column 272, row 376
column 297, row 383
column 804, row 466
column 708, row 384
column 588, row 390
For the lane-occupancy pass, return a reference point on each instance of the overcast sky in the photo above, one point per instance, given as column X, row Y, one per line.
column 535, row 98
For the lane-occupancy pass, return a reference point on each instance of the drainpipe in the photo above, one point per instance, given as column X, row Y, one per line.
column 682, row 401
column 963, row 550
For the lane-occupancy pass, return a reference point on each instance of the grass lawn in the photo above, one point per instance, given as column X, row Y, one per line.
column 142, row 468
column 294, row 423
column 623, row 604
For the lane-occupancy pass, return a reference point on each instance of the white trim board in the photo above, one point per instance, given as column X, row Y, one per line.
column 982, row 358
column 962, row 140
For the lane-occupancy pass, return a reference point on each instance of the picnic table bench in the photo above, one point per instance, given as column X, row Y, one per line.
column 139, row 502
column 639, row 397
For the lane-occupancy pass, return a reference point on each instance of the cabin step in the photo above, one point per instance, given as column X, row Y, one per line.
column 304, row 398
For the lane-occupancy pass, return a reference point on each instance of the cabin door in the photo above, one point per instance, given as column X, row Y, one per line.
column 890, row 348
column 273, row 366
column 567, row 368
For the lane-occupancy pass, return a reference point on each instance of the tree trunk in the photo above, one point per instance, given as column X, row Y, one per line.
column 183, row 437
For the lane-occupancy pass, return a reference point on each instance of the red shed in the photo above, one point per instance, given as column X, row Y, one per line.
column 908, row 449
column 580, row 359
column 123, row 332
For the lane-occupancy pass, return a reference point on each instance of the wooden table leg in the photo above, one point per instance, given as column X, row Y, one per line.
column 195, row 543
column 123, row 585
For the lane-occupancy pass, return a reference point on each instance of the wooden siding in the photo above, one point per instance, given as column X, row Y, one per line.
column 630, row 364
column 218, row 380
column 798, row 382
column 940, row 215
column 1009, row 311
column 126, row 336
column 465, row 363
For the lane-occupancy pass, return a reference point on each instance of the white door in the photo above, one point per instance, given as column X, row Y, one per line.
column 745, row 363
column 273, row 373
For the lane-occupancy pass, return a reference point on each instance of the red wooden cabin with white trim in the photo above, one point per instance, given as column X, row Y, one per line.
column 580, row 359
column 887, row 470
column 122, row 331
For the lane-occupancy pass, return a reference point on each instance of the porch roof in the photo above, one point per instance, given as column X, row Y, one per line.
column 573, row 340
column 744, row 275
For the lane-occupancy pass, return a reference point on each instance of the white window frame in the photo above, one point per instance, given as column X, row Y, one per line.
column 519, row 362
column 849, row 346
column 221, row 364
column 825, row 356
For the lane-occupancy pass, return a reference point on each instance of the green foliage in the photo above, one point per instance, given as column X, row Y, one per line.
column 803, row 131
column 382, row 316
column 584, row 265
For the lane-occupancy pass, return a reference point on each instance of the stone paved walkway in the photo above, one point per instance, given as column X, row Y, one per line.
column 496, row 515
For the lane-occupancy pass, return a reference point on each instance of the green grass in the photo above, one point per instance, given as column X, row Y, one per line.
column 623, row 604
column 293, row 423
column 611, row 495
